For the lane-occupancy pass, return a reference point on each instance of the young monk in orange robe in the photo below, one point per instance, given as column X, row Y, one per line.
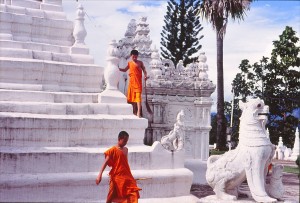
column 135, row 67
column 122, row 185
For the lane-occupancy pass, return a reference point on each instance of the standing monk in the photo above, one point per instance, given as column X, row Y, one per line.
column 134, row 95
column 122, row 185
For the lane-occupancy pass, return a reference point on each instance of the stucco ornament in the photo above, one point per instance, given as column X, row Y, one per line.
column 174, row 141
column 249, row 160
column 192, row 77
column 156, row 65
column 180, row 68
column 79, row 32
column 111, row 72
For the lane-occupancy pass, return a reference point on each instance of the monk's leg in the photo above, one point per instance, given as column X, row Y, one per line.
column 139, row 107
column 134, row 107
column 138, row 100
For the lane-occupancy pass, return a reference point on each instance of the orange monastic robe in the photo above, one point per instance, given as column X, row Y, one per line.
column 135, row 82
column 122, row 185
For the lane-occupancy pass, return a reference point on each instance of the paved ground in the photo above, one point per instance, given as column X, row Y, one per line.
column 290, row 182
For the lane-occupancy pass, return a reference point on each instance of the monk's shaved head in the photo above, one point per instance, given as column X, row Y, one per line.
column 122, row 135
column 134, row 52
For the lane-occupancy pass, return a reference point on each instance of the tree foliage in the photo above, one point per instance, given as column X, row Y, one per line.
column 180, row 34
column 276, row 80
column 217, row 12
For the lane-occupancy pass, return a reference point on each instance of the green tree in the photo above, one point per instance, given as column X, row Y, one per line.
column 213, row 131
column 180, row 34
column 276, row 80
column 169, row 32
column 282, row 91
column 217, row 12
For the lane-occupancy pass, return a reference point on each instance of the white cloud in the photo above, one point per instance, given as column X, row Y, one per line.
column 249, row 39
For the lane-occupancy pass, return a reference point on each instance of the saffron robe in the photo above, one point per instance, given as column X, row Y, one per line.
column 122, row 184
column 135, row 85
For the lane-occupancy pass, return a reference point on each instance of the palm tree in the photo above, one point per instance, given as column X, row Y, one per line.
column 217, row 13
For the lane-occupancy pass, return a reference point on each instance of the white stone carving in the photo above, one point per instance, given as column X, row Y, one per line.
column 142, row 40
column 296, row 148
column 131, row 28
column 174, row 141
column 112, row 76
column 191, row 77
column 79, row 32
column 169, row 68
column 203, row 67
column 279, row 153
column 180, row 68
column 111, row 72
column 276, row 188
column 287, row 153
column 156, row 65
column 248, row 161
column 284, row 153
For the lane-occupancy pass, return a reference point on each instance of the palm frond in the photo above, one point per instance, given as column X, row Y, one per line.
column 217, row 12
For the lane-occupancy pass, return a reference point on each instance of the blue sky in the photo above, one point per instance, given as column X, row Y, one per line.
column 249, row 39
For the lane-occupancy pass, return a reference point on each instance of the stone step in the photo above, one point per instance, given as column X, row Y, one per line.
column 65, row 108
column 42, row 96
column 49, row 11
column 18, row 160
column 81, row 187
column 35, row 46
column 51, row 75
column 41, row 130
column 180, row 199
column 46, row 55
column 20, row 86
column 16, row 53
column 35, row 4
column 36, row 29
column 26, row 3
column 43, row 47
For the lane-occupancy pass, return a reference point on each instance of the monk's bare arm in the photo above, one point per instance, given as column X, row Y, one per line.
column 125, row 151
column 124, row 69
column 144, row 69
column 99, row 177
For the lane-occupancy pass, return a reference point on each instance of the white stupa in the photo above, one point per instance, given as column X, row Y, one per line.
column 54, row 122
column 296, row 148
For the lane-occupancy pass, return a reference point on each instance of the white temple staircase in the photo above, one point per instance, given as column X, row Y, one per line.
column 54, row 130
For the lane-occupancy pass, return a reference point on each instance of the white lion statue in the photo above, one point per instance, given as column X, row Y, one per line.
column 249, row 160
column 175, row 139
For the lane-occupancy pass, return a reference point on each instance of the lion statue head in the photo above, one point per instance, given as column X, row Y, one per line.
column 253, row 122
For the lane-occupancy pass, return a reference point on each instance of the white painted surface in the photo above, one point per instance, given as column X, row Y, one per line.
column 55, row 121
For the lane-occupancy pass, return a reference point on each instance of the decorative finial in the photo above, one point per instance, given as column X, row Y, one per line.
column 79, row 32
